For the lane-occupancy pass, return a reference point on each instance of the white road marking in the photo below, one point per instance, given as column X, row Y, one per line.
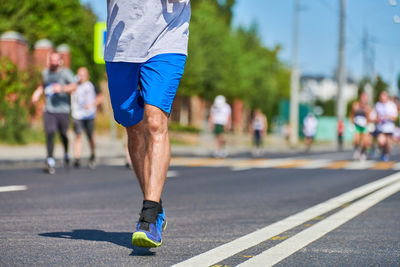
column 316, row 164
column 286, row 248
column 172, row 174
column 275, row 162
column 396, row 167
column 360, row 165
column 268, row 163
column 11, row 188
column 241, row 168
column 227, row 250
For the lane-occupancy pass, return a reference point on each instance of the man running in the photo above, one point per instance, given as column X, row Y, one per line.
column 85, row 101
column 57, row 85
column 360, row 112
column 146, row 46
column 220, row 120
column 386, row 112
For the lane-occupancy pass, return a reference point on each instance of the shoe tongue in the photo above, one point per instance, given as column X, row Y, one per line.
column 148, row 215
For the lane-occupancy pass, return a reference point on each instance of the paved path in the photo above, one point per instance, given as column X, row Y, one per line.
column 289, row 215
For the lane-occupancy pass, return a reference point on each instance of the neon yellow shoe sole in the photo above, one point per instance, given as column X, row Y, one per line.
column 140, row 239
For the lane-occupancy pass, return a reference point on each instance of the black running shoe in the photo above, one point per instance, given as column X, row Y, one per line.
column 66, row 162
column 77, row 163
column 92, row 162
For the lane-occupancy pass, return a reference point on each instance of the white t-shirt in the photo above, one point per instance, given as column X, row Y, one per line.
column 384, row 112
column 258, row 123
column 310, row 126
column 138, row 30
column 84, row 95
column 220, row 113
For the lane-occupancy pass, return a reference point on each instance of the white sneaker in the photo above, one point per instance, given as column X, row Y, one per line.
column 51, row 162
column 356, row 155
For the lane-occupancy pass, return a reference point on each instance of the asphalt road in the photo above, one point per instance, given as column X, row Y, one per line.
column 86, row 217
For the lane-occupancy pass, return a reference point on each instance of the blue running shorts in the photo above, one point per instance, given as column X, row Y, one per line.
column 153, row 82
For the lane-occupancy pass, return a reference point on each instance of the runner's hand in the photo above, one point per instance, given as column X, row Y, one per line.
column 57, row 88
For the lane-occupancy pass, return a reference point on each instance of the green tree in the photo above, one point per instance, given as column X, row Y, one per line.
column 232, row 62
column 398, row 83
column 59, row 21
column 379, row 86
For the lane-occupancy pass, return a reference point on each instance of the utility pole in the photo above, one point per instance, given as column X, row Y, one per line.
column 366, row 64
column 365, row 48
column 295, row 79
column 341, row 77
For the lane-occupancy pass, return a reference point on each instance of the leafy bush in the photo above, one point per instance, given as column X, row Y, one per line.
column 16, row 87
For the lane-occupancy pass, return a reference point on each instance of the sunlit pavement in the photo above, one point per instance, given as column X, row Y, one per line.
column 86, row 217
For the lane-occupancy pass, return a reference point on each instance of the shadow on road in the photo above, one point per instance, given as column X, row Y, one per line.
column 122, row 239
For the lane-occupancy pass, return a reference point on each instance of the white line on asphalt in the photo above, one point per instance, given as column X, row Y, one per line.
column 396, row 167
column 172, row 174
column 315, row 164
column 11, row 188
column 270, row 163
column 286, row 248
column 241, row 169
column 229, row 249
column 360, row 165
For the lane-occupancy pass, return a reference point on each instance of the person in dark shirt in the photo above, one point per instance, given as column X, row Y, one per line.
column 57, row 85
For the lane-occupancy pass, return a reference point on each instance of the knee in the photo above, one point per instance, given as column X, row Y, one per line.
column 381, row 140
column 156, row 125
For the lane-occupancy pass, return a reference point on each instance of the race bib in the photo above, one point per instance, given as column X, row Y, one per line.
column 360, row 121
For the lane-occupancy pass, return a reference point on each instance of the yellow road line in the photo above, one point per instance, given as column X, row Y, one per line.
column 383, row 165
column 337, row 165
column 204, row 162
column 293, row 164
column 248, row 163
column 181, row 161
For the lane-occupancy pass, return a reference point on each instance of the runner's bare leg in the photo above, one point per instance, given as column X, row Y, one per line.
column 149, row 148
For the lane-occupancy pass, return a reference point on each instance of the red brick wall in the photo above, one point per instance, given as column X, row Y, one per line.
column 40, row 57
column 66, row 57
column 16, row 51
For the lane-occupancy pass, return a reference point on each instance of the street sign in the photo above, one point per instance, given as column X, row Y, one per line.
column 100, row 35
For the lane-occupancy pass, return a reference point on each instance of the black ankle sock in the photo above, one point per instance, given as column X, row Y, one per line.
column 150, row 204
column 160, row 208
column 149, row 211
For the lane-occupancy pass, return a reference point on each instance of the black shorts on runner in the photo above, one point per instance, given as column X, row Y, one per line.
column 86, row 125
column 54, row 122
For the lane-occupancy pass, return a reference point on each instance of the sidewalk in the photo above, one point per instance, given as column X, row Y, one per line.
column 107, row 150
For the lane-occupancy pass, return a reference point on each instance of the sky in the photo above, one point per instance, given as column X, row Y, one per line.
column 319, row 31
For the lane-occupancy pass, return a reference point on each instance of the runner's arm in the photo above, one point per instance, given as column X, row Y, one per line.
column 37, row 94
column 69, row 88
column 265, row 130
column 99, row 99
column 228, row 126
column 210, row 121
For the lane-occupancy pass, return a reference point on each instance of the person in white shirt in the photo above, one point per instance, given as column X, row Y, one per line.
column 310, row 129
column 84, row 102
column 259, row 126
column 220, row 120
column 387, row 114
